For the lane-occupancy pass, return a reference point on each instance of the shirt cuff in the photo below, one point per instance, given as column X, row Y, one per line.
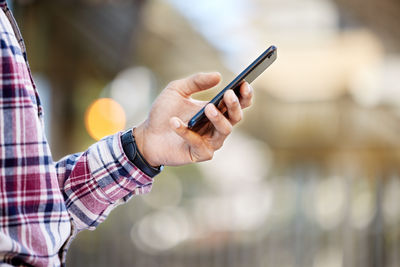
column 116, row 175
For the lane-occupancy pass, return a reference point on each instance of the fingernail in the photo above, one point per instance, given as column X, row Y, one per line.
column 234, row 98
column 248, row 89
column 176, row 123
column 214, row 111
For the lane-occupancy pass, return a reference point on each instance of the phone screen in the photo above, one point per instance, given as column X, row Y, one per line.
column 249, row 75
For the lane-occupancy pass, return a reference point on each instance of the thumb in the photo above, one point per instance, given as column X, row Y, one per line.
column 196, row 83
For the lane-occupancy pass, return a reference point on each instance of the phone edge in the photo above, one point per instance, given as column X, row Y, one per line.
column 200, row 115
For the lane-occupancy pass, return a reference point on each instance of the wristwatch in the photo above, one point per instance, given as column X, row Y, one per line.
column 134, row 155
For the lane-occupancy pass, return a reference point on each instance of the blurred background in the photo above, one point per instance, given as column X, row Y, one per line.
column 309, row 178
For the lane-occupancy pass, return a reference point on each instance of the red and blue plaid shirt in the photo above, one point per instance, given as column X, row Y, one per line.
column 44, row 204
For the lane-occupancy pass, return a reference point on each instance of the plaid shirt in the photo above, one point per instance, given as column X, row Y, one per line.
column 44, row 204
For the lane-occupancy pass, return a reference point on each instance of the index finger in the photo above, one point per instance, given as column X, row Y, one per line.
column 198, row 149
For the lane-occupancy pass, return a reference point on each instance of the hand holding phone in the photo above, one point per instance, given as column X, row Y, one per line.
column 248, row 75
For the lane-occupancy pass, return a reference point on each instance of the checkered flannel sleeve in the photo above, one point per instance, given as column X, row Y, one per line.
column 95, row 181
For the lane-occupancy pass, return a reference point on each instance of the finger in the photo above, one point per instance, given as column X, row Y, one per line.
column 199, row 150
column 221, row 124
column 195, row 83
column 246, row 95
column 235, row 112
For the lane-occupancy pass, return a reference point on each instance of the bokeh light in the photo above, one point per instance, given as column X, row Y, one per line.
column 283, row 200
column 167, row 193
column 362, row 205
column 132, row 88
column 329, row 202
column 227, row 164
column 161, row 230
column 104, row 117
column 391, row 200
column 330, row 257
column 237, row 212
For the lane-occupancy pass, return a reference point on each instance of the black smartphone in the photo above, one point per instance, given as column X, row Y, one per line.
column 248, row 75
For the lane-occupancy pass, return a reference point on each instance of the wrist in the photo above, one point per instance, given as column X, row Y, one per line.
column 134, row 155
column 139, row 134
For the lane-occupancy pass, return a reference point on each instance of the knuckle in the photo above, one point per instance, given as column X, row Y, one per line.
column 217, row 118
column 237, row 115
column 174, row 84
column 240, row 115
column 204, row 156
column 195, row 159
column 209, row 155
column 218, row 146
column 198, row 79
column 227, row 130
column 214, row 118
column 247, row 103
column 183, row 131
column 233, row 104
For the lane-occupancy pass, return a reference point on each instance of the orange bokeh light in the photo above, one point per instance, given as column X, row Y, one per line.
column 104, row 117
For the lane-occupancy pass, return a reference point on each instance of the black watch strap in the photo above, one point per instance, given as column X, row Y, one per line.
column 133, row 154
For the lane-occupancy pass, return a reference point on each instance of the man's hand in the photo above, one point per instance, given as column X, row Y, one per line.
column 164, row 139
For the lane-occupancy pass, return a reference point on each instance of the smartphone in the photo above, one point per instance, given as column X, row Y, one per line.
column 248, row 75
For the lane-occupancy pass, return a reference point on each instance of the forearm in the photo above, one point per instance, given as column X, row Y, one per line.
column 96, row 180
